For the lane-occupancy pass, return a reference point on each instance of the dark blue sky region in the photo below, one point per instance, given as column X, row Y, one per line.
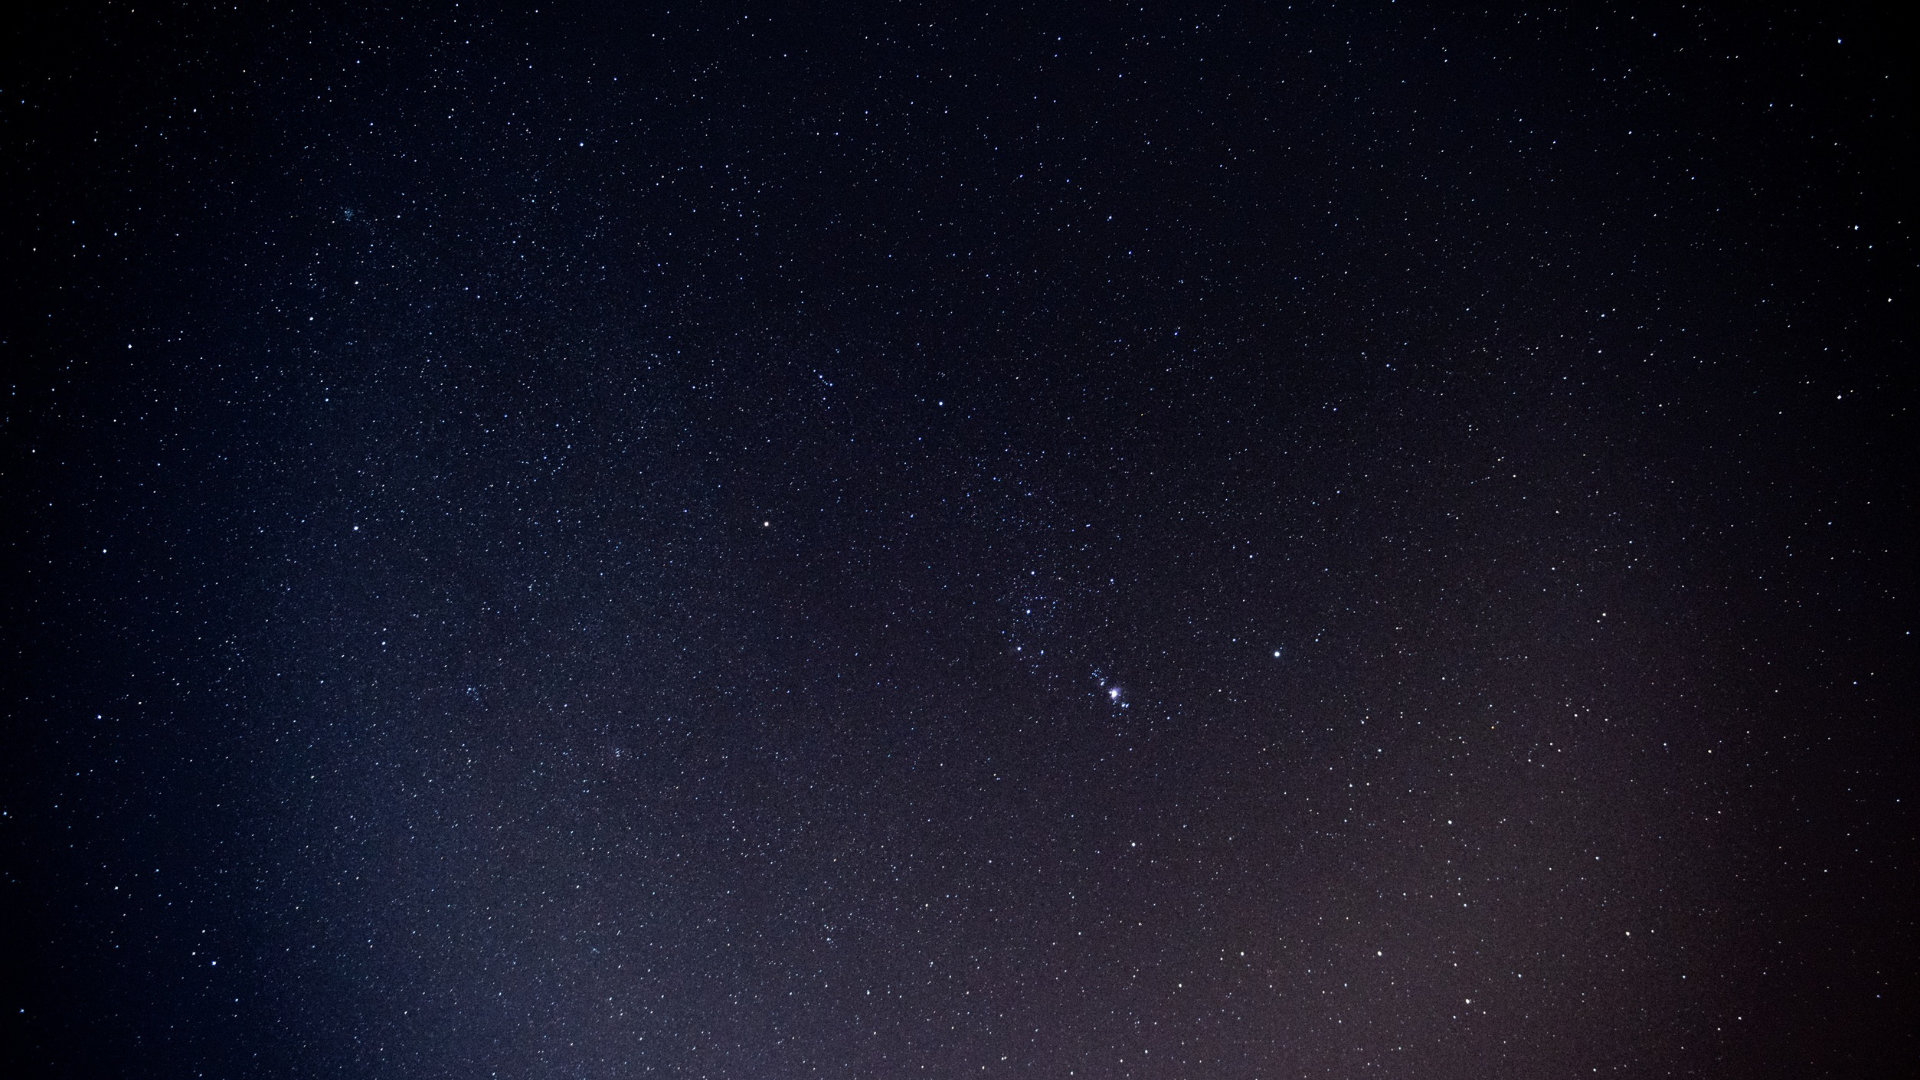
column 895, row 541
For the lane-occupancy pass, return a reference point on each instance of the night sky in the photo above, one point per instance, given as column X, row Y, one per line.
column 896, row 541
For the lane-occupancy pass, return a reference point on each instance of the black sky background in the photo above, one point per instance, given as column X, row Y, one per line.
column 896, row 541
